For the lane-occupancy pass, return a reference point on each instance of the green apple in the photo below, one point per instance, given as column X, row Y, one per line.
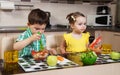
column 52, row 60
column 115, row 55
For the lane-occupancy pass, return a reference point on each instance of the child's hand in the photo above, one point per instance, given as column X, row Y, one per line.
column 35, row 37
column 97, row 50
column 64, row 52
column 52, row 51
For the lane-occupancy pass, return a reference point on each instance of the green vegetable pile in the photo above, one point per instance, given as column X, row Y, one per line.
column 88, row 57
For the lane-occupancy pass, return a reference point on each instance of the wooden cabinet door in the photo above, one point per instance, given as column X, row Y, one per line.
column 107, row 36
column 116, row 41
column 1, row 36
column 55, row 33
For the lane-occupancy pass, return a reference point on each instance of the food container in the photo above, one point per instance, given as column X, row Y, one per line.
column 106, row 48
column 41, row 55
column 11, row 56
column 75, row 57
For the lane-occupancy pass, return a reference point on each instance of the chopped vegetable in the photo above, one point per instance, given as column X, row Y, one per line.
column 33, row 52
column 39, row 55
column 60, row 58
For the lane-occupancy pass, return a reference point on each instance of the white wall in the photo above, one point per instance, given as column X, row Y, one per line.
column 58, row 13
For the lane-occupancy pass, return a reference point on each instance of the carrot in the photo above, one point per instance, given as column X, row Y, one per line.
column 60, row 58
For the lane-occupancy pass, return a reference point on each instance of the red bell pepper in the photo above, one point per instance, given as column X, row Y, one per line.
column 95, row 42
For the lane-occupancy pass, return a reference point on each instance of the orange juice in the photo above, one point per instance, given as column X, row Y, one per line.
column 106, row 48
column 11, row 56
column 11, row 68
column 75, row 57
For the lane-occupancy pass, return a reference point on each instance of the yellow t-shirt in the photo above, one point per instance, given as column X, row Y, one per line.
column 76, row 45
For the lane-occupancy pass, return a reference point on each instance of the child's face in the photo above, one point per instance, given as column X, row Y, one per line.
column 80, row 25
column 37, row 28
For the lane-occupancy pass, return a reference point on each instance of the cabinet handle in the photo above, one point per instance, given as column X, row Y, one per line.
column 116, row 34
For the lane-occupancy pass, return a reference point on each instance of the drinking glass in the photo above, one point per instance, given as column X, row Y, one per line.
column 11, row 56
column 106, row 48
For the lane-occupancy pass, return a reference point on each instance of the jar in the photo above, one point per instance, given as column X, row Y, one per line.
column 11, row 56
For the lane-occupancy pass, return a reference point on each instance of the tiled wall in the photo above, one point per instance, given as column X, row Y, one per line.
column 58, row 11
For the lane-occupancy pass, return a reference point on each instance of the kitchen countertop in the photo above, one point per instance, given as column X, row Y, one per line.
column 100, row 68
column 16, row 29
column 114, row 29
column 106, row 69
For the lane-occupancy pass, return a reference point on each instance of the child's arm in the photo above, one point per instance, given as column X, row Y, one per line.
column 63, row 47
column 21, row 44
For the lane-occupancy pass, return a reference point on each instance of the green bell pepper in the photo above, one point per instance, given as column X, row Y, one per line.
column 88, row 58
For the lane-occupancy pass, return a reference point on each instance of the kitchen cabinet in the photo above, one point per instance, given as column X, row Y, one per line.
column 109, row 37
column 12, row 34
column 76, row 1
column 116, row 41
column 1, row 36
column 103, row 1
column 52, row 33
column 118, row 13
column 62, row 1
column 106, row 36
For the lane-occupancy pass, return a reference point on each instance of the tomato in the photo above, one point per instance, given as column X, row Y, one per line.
column 33, row 52
column 39, row 55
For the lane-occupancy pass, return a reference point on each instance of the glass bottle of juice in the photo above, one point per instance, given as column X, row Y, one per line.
column 11, row 56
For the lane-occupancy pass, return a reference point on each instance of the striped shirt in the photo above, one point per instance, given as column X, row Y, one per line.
column 35, row 45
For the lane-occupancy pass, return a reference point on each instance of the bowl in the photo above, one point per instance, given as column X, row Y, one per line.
column 41, row 55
